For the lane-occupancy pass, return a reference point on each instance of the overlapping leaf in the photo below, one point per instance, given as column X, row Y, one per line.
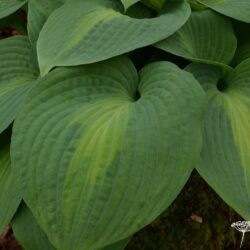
column 225, row 158
column 30, row 235
column 18, row 73
column 243, row 42
column 28, row 232
column 238, row 9
column 9, row 195
column 97, row 30
column 8, row 7
column 206, row 37
column 96, row 163
column 154, row 4
column 38, row 13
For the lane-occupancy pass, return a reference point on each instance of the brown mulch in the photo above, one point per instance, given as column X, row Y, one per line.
column 8, row 241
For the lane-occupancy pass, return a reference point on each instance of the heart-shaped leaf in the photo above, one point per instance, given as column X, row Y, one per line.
column 206, row 37
column 237, row 9
column 9, row 196
column 95, row 161
column 100, row 31
column 8, row 7
column 225, row 158
column 18, row 72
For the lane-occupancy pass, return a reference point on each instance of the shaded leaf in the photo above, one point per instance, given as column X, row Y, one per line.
column 154, row 4
column 9, row 195
column 8, row 7
column 119, row 245
column 18, row 73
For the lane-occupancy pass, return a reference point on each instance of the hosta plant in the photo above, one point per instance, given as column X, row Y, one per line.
column 107, row 106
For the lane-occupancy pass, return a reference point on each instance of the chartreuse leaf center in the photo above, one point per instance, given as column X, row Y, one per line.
column 104, row 158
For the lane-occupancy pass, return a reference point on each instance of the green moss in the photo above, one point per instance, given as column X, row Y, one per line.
column 175, row 229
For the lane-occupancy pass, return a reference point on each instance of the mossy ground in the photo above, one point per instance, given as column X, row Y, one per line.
column 178, row 228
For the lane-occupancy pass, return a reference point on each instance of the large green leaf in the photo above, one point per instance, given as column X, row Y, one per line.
column 206, row 37
column 97, row 30
column 9, row 195
column 18, row 72
column 225, row 158
column 8, row 7
column 237, row 9
column 28, row 232
column 96, row 163
column 38, row 13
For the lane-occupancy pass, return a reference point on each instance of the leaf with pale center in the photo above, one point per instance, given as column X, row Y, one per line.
column 100, row 152
column 97, row 30
column 225, row 159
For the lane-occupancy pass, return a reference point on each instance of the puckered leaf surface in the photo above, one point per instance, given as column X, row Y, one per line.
column 206, row 37
column 18, row 72
column 100, row 152
column 97, row 30
column 225, row 158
